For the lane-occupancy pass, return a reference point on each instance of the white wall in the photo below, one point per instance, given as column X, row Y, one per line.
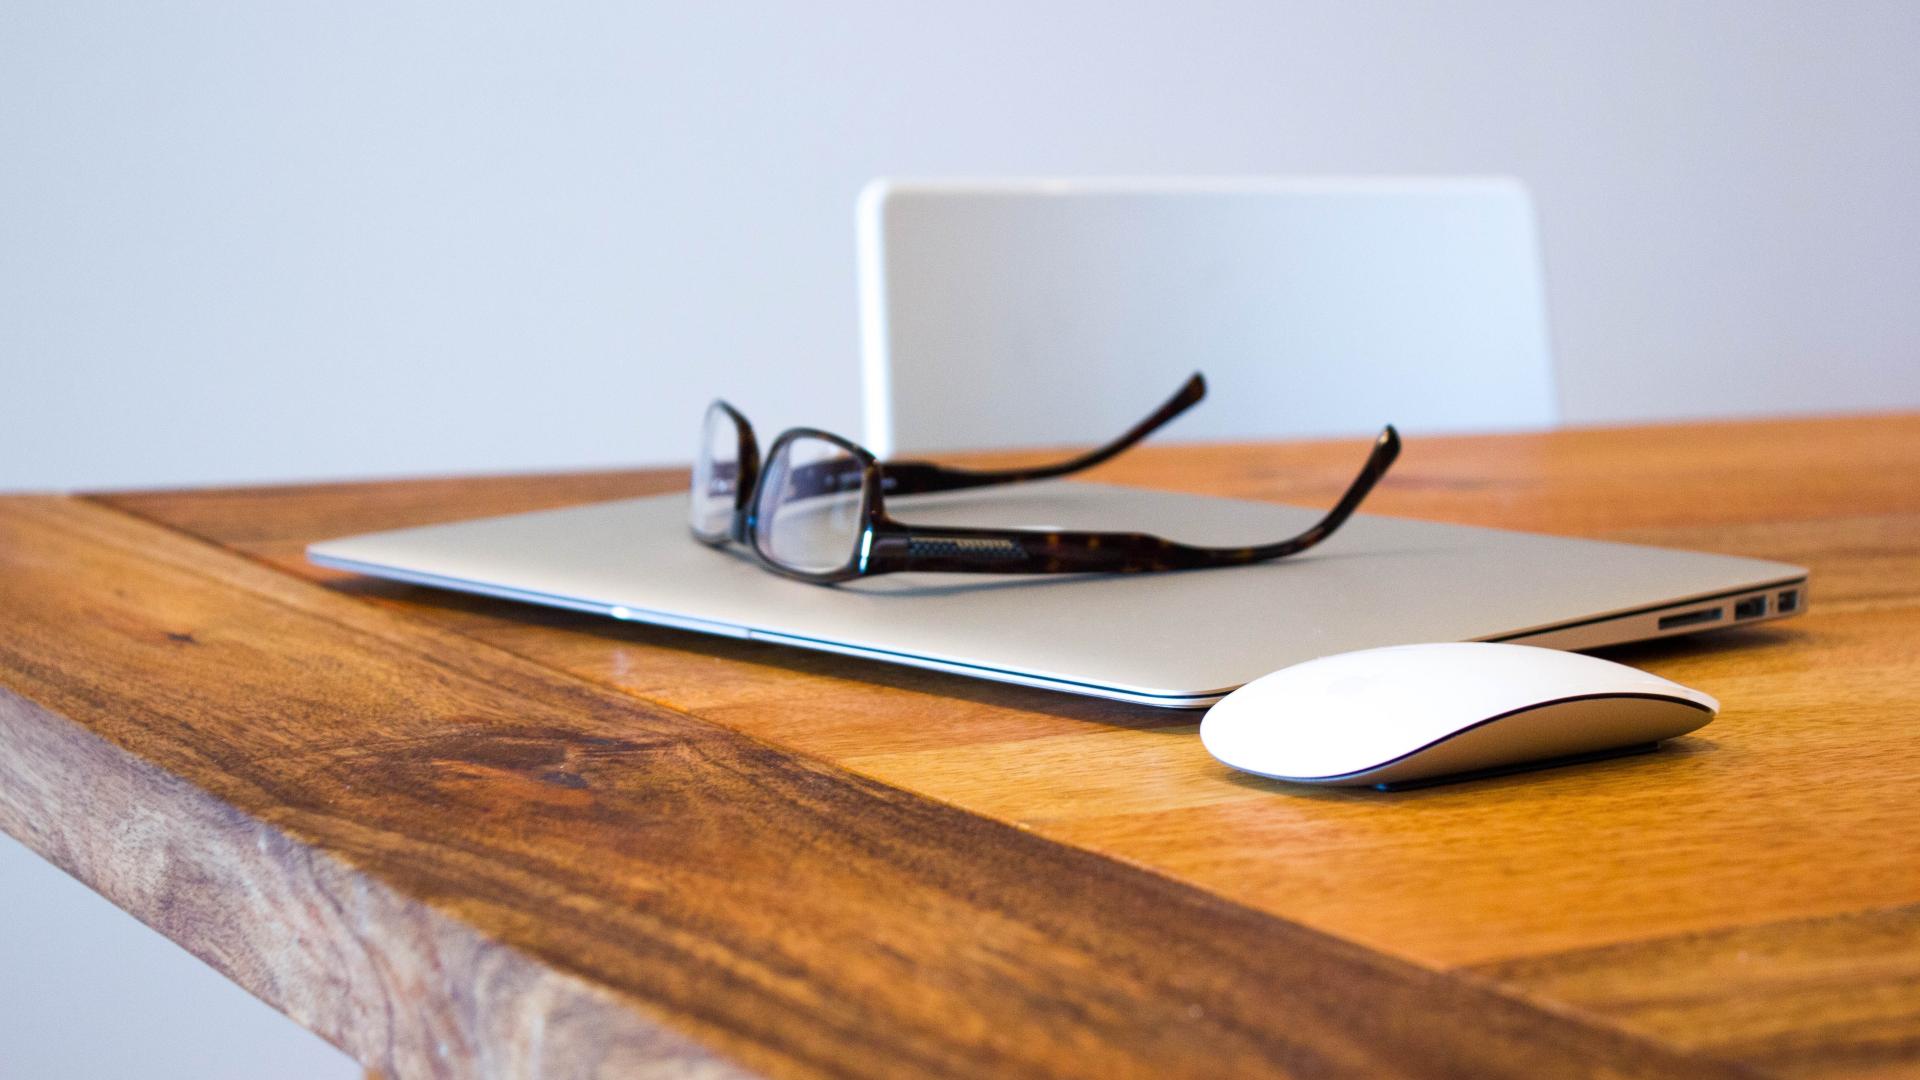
column 251, row 241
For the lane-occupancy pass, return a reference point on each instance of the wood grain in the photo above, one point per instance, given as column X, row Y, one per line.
column 1837, row 996
column 1133, row 783
column 1564, row 887
column 452, row 861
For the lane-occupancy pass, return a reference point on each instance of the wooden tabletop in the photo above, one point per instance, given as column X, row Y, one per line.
column 468, row 838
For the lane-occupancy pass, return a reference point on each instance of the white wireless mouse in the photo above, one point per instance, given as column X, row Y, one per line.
column 1411, row 713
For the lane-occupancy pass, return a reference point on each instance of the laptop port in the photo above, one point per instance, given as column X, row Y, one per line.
column 1751, row 608
column 1692, row 618
column 1789, row 601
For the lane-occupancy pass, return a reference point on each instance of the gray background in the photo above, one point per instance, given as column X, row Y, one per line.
column 274, row 241
column 264, row 241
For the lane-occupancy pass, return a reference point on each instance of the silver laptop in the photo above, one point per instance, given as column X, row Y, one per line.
column 1180, row 640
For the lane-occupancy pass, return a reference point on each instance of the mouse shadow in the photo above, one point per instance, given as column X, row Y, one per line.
column 1582, row 769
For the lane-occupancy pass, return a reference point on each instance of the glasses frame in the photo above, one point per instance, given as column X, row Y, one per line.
column 925, row 477
column 887, row 545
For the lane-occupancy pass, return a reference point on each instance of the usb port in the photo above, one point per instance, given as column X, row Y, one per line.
column 1692, row 618
column 1751, row 608
column 1789, row 601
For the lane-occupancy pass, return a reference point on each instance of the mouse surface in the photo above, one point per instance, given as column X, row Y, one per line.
column 1410, row 713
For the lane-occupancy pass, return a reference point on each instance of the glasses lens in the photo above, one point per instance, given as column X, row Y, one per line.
column 808, row 516
column 716, row 475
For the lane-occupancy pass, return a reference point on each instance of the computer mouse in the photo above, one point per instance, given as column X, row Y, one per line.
column 1408, row 714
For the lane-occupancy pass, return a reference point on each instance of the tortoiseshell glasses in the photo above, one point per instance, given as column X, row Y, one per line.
column 816, row 510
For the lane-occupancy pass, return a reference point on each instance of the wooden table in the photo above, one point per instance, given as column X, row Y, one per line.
column 466, row 838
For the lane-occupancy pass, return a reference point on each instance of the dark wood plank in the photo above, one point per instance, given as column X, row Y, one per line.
column 453, row 861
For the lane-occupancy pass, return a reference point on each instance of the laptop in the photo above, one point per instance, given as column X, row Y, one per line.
column 1180, row 640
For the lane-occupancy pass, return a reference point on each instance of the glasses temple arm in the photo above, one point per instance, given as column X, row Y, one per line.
column 915, row 477
column 1032, row 551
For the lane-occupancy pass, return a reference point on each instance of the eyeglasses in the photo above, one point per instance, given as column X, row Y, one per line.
column 816, row 509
